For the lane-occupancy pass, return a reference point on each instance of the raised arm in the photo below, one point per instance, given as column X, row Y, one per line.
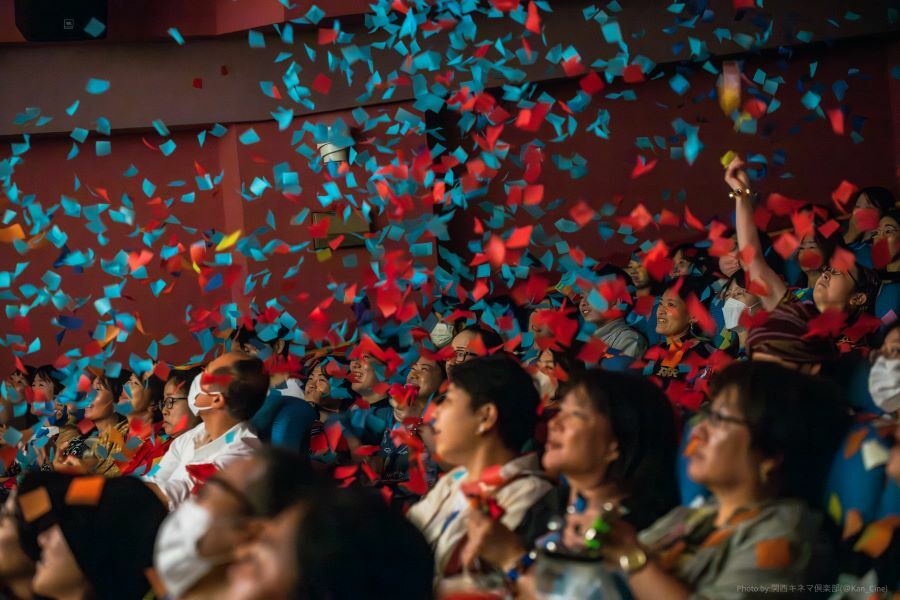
column 747, row 236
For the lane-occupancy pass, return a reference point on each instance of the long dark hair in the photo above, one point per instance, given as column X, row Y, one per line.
column 643, row 423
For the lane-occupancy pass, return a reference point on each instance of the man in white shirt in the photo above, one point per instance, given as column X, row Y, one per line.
column 229, row 391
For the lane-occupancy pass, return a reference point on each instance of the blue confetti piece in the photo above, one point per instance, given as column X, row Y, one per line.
column 256, row 39
column 679, row 84
column 96, row 86
column 79, row 134
column 71, row 110
column 94, row 28
column 176, row 35
column 148, row 188
column 249, row 137
column 102, row 148
column 811, row 100
column 167, row 147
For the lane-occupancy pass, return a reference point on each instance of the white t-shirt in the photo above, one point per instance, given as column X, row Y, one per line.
column 188, row 449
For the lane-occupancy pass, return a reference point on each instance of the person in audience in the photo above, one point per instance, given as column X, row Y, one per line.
column 886, row 258
column 369, row 381
column 646, row 300
column 47, row 385
column 783, row 339
column 328, row 391
column 177, row 418
column 139, row 401
column 851, row 289
column 229, row 392
column 763, row 449
column 14, row 395
column 613, row 441
column 84, row 535
column 738, row 301
column 321, row 547
column 16, row 567
column 680, row 363
column 471, row 342
column 869, row 205
column 401, row 452
column 112, row 427
column 485, row 419
column 609, row 323
column 285, row 419
column 200, row 540
column 553, row 369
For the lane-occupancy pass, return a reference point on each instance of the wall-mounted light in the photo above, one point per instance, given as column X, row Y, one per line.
column 334, row 151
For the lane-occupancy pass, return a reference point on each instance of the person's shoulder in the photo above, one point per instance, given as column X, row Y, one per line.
column 784, row 518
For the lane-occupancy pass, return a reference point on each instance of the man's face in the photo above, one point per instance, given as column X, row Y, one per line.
column 224, row 496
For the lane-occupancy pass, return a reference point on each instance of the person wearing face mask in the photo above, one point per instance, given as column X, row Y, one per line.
column 229, row 391
column 884, row 376
column 737, row 301
column 199, row 541
column 85, row 535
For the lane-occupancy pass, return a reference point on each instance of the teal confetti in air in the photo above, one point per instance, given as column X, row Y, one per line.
column 97, row 86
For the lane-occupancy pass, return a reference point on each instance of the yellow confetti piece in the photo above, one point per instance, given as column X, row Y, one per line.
column 727, row 158
column 323, row 254
column 834, row 508
column 729, row 88
column 196, row 268
column 228, row 241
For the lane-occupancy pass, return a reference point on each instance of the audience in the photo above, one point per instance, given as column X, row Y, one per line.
column 682, row 433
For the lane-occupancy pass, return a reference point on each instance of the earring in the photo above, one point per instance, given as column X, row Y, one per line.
column 481, row 430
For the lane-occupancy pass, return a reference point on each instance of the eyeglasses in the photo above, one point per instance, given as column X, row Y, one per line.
column 461, row 356
column 169, row 401
column 835, row 273
column 716, row 418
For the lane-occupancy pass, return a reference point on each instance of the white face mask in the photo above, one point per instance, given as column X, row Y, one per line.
column 545, row 384
column 175, row 555
column 192, row 396
column 441, row 334
column 732, row 311
column 884, row 383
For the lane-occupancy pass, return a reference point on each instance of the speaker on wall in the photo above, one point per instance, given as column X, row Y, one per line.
column 59, row 20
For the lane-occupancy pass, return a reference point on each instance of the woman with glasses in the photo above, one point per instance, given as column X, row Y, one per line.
column 763, row 450
column 176, row 419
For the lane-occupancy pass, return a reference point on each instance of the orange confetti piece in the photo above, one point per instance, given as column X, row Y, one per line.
column 853, row 524
column 877, row 537
column 773, row 554
column 85, row 491
column 13, row 232
column 34, row 504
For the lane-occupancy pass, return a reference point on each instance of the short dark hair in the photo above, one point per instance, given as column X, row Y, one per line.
column 248, row 336
column 115, row 384
column 287, row 477
column 867, row 282
column 333, row 548
column 49, row 373
column 500, row 380
column 490, row 338
column 881, row 197
column 643, row 422
column 692, row 284
column 183, row 378
column 247, row 389
column 798, row 419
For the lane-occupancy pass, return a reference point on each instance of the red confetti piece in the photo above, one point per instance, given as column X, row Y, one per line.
column 836, row 118
column 633, row 74
column 657, row 261
column 322, row 83
column 642, row 167
column 520, row 237
column 592, row 83
column 533, row 21
column 844, row 191
column 327, row 36
column 197, row 83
